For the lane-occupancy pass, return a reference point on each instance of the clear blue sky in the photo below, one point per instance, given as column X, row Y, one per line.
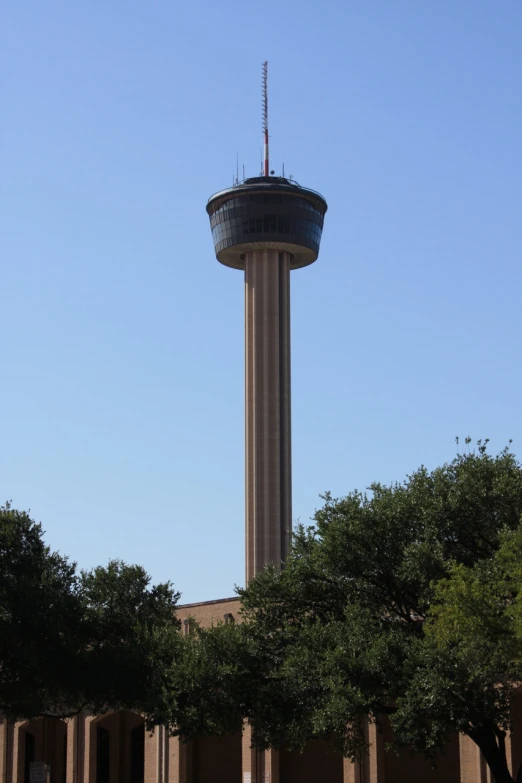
column 121, row 396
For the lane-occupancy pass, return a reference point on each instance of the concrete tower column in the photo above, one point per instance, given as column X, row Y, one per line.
column 268, row 517
column 267, row 226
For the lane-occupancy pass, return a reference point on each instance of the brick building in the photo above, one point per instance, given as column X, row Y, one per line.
column 116, row 748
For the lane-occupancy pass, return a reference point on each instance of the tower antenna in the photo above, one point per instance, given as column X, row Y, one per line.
column 265, row 116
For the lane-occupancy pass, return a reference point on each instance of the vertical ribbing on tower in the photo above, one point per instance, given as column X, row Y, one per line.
column 267, row 409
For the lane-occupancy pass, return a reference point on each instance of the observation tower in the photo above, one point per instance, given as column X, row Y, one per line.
column 267, row 226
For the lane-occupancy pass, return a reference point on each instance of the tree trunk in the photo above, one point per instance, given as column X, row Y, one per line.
column 492, row 742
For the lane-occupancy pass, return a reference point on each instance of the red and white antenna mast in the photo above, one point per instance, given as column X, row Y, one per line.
column 265, row 117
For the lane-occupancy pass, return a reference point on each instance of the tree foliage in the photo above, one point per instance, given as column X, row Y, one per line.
column 368, row 617
column 103, row 639
column 404, row 600
column 131, row 637
column 40, row 607
column 471, row 663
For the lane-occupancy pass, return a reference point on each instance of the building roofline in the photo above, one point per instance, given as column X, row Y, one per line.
column 206, row 603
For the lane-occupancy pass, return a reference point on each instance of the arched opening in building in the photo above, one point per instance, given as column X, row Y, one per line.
column 29, row 754
column 103, row 755
column 137, row 754
column 119, row 747
column 43, row 741
column 404, row 766
column 217, row 759
column 318, row 761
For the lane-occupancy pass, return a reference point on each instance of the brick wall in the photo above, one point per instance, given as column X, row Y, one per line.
column 209, row 613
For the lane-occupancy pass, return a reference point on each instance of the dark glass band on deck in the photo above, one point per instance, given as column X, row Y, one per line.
column 266, row 210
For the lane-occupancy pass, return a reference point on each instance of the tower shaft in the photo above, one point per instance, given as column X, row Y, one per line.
column 267, row 408
column 267, row 226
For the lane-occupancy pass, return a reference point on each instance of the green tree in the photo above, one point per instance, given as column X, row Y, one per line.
column 340, row 633
column 472, row 657
column 207, row 681
column 131, row 638
column 40, row 619
column 104, row 639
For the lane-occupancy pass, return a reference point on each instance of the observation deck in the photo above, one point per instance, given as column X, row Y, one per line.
column 266, row 213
